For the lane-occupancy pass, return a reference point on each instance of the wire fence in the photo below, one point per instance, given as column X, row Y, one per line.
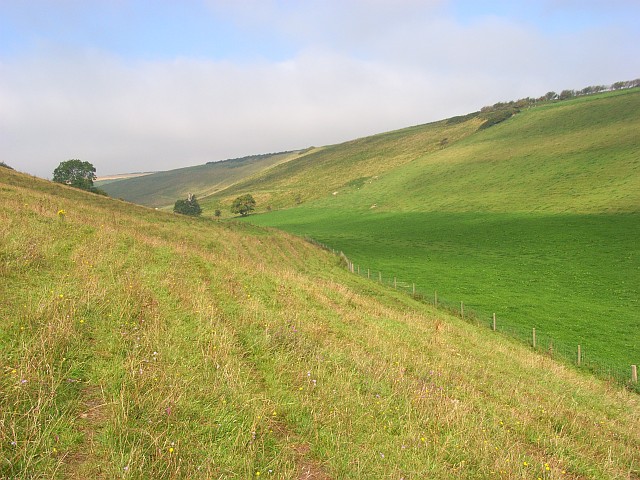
column 538, row 340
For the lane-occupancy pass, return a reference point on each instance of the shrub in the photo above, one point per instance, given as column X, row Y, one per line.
column 243, row 205
column 190, row 206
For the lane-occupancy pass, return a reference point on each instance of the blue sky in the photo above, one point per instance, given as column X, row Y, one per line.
column 155, row 85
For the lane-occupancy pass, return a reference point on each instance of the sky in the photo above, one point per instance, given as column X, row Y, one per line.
column 150, row 85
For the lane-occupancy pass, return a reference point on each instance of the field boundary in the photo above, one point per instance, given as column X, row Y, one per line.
column 540, row 342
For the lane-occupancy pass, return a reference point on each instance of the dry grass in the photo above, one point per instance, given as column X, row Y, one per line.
column 137, row 344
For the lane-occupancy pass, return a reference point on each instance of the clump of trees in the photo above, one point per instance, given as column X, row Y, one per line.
column 501, row 111
column 190, row 206
column 78, row 174
column 244, row 205
column 563, row 95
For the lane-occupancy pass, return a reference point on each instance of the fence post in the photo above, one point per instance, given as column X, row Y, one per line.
column 435, row 299
column 551, row 347
column 579, row 356
column 395, row 283
column 358, row 269
column 634, row 374
column 414, row 289
column 462, row 309
column 380, row 277
column 493, row 325
column 368, row 273
column 534, row 337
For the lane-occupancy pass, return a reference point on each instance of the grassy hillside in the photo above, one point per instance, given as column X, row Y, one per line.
column 162, row 189
column 546, row 158
column 138, row 344
column 343, row 167
column 101, row 181
column 535, row 219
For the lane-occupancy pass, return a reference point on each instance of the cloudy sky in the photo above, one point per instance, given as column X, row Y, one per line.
column 147, row 85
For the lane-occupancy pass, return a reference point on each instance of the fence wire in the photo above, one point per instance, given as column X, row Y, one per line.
column 544, row 344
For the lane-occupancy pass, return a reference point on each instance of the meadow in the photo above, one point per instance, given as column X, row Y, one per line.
column 535, row 219
column 139, row 344
column 574, row 278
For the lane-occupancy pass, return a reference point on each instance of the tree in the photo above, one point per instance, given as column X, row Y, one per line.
column 566, row 94
column 243, row 205
column 190, row 206
column 75, row 173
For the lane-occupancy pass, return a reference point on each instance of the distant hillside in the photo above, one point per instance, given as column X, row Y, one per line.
column 104, row 180
column 141, row 344
column 545, row 157
column 332, row 169
column 162, row 189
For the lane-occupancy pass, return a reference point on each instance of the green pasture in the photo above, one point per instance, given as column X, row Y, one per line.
column 140, row 344
column 575, row 278
column 536, row 219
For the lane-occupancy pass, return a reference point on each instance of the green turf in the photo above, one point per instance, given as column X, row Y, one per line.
column 536, row 219
column 573, row 277
column 139, row 344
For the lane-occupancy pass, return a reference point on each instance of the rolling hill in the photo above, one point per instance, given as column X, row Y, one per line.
column 141, row 344
column 162, row 189
column 547, row 158
column 535, row 219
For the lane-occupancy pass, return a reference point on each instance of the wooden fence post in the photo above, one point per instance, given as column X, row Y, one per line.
column 358, row 269
column 368, row 273
column 414, row 289
column 534, row 337
column 634, row 374
column 579, row 356
column 380, row 277
column 493, row 325
column 395, row 283
column 435, row 299
column 462, row 309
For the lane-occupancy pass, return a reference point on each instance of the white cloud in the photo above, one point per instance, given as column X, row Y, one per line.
column 358, row 68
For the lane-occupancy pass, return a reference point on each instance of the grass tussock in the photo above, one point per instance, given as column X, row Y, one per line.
column 136, row 344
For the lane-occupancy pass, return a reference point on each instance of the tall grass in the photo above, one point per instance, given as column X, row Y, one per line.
column 137, row 344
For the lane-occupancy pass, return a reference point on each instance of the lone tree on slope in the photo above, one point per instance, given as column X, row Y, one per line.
column 243, row 205
column 75, row 173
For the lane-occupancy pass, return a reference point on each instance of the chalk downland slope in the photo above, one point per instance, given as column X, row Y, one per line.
column 140, row 344
column 578, row 156
column 162, row 189
column 535, row 219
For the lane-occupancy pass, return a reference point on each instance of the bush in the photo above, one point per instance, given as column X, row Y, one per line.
column 243, row 205
column 190, row 206
column 496, row 117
